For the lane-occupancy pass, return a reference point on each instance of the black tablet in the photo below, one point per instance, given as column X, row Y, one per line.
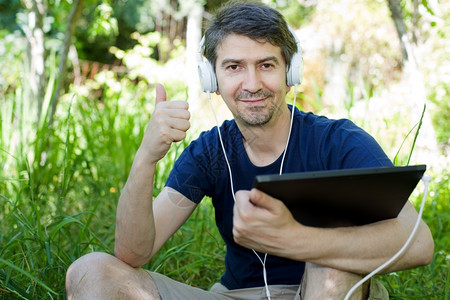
column 345, row 197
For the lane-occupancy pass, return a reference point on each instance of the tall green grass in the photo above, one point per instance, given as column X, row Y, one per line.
column 59, row 188
column 432, row 281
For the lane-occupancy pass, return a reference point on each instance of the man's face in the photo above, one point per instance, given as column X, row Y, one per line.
column 251, row 77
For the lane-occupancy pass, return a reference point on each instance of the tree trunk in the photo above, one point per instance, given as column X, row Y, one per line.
column 36, row 53
column 193, row 37
column 71, row 22
column 397, row 17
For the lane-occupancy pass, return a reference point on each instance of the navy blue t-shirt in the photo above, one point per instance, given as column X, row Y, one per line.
column 316, row 143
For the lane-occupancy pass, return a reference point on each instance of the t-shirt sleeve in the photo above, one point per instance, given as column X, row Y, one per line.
column 349, row 146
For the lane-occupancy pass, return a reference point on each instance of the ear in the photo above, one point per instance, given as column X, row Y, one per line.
column 288, row 88
column 217, row 91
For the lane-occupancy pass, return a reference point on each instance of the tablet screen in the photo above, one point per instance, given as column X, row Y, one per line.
column 343, row 197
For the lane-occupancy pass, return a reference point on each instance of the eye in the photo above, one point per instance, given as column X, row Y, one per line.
column 233, row 67
column 267, row 66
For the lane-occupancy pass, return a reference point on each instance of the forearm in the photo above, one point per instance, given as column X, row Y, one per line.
column 135, row 222
column 364, row 248
column 135, row 230
column 265, row 224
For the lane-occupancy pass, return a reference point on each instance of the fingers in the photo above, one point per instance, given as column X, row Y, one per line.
column 252, row 206
column 250, row 222
column 171, row 119
column 171, row 114
column 174, row 109
column 262, row 200
column 241, row 216
column 243, row 202
column 260, row 222
column 257, row 208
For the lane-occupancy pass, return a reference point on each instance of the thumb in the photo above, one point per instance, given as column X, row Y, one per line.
column 259, row 198
column 265, row 201
column 160, row 93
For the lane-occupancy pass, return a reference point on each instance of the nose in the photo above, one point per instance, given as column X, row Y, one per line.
column 252, row 80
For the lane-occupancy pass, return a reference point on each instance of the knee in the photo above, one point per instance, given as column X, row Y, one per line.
column 102, row 276
column 92, row 266
column 329, row 283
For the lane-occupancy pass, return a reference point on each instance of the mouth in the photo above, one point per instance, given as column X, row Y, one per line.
column 253, row 101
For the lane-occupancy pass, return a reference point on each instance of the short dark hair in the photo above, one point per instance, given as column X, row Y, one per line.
column 252, row 19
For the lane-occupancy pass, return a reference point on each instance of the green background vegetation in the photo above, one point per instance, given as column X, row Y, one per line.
column 61, row 171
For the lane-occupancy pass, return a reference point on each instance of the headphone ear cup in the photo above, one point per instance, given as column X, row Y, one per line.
column 207, row 77
column 294, row 75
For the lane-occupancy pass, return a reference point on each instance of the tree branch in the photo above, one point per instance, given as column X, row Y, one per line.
column 397, row 17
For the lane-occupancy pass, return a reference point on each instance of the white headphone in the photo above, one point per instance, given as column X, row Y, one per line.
column 208, row 81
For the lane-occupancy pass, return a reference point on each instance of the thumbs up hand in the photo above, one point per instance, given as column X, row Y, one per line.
column 168, row 123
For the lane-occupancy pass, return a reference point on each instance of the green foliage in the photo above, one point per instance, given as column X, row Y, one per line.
column 12, row 52
column 415, row 18
column 59, row 186
column 426, row 20
column 437, row 72
column 7, row 16
column 104, row 24
column 431, row 281
column 295, row 12
column 441, row 116
column 417, row 130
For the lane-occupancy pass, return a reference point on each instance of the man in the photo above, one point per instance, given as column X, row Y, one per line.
column 249, row 47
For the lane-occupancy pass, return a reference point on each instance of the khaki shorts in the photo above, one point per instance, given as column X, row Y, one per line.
column 170, row 289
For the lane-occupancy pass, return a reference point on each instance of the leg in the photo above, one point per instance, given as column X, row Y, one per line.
column 102, row 276
column 326, row 283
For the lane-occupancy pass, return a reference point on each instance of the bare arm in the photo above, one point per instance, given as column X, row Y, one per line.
column 171, row 209
column 135, row 224
column 270, row 227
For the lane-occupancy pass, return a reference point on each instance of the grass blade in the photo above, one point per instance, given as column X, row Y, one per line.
column 28, row 275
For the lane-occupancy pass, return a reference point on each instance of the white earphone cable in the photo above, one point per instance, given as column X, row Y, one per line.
column 426, row 179
column 290, row 129
column 263, row 262
column 223, row 147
